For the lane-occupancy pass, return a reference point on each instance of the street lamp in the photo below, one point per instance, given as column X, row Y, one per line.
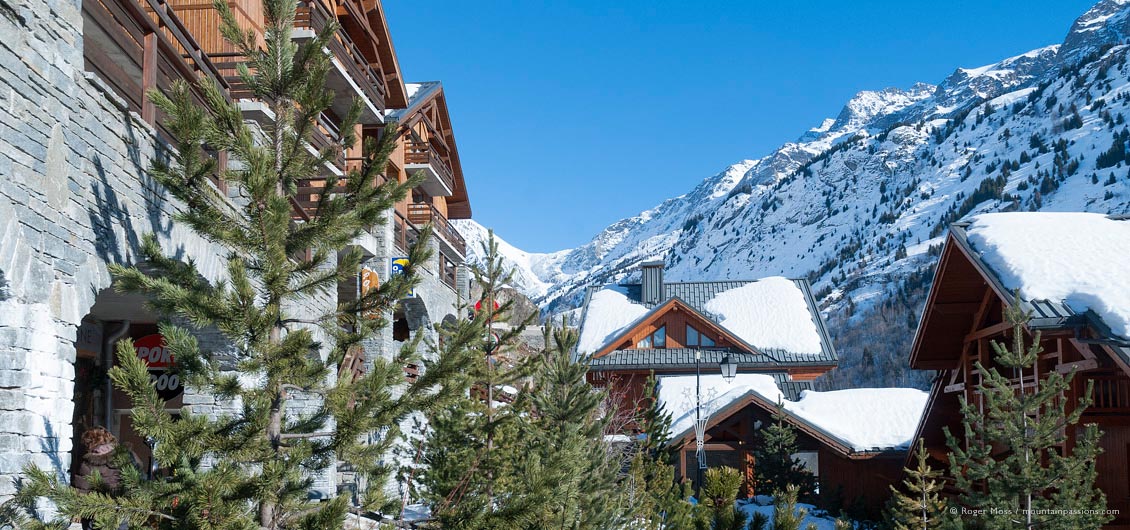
column 729, row 368
column 729, row 371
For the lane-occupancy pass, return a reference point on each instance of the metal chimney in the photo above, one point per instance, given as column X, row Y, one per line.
column 651, row 291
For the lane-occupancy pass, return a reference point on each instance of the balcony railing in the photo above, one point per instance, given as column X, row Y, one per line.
column 310, row 15
column 1111, row 394
column 418, row 151
column 404, row 232
column 148, row 37
column 423, row 213
column 313, row 14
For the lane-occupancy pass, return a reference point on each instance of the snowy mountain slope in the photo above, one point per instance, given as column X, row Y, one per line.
column 859, row 204
column 523, row 264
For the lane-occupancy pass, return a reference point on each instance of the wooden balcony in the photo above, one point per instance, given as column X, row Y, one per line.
column 421, row 156
column 403, row 232
column 135, row 45
column 351, row 75
column 422, row 213
column 355, row 75
column 1111, row 394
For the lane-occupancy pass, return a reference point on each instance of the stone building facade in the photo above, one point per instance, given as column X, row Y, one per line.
column 75, row 197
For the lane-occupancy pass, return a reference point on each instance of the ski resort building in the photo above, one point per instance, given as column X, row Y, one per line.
column 854, row 441
column 769, row 326
column 76, row 137
column 1071, row 273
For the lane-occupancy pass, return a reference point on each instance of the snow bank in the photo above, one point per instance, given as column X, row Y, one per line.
column 822, row 522
column 770, row 313
column 677, row 394
column 610, row 312
column 1080, row 259
column 864, row 418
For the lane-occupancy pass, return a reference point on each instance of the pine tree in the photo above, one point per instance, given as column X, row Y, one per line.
column 786, row 515
column 1014, row 461
column 471, row 448
column 921, row 506
column 253, row 468
column 776, row 467
column 657, row 501
column 568, row 478
column 719, row 491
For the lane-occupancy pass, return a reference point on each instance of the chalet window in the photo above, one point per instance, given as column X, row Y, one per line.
column 657, row 339
column 697, row 338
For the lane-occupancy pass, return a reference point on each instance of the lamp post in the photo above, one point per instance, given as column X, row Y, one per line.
column 729, row 370
column 699, row 423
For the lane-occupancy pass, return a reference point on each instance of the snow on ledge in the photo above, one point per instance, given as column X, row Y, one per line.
column 1080, row 259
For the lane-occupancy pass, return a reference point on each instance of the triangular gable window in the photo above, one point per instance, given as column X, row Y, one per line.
column 697, row 338
column 657, row 339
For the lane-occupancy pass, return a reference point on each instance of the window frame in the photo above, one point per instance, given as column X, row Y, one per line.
column 650, row 341
column 700, row 338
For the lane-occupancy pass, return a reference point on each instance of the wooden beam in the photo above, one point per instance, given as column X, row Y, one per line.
column 1083, row 349
column 988, row 332
column 956, row 387
column 986, row 301
column 1082, row 366
column 148, row 77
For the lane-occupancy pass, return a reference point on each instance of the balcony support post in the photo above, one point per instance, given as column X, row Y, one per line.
column 148, row 77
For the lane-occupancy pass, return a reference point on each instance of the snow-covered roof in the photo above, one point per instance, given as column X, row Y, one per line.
column 416, row 92
column 1077, row 259
column 863, row 419
column 677, row 394
column 610, row 312
column 769, row 314
column 773, row 315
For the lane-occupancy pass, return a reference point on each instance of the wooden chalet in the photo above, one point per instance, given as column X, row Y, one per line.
column 981, row 267
column 773, row 332
column 852, row 469
column 632, row 331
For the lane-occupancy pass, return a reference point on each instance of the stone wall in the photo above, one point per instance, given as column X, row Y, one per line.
column 74, row 197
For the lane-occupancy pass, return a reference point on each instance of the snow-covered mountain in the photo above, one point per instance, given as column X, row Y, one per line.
column 859, row 204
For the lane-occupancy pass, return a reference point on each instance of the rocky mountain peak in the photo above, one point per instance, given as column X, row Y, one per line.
column 1107, row 22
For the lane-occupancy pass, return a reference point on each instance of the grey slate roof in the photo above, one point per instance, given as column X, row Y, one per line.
column 678, row 358
column 791, row 389
column 1046, row 314
column 680, row 361
column 696, row 295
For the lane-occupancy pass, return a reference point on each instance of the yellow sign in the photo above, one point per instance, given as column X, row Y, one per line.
column 370, row 281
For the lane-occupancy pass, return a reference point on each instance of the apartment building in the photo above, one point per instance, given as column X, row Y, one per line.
column 76, row 137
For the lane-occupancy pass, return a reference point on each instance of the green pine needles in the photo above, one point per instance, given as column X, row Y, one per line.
column 1015, row 464
column 776, row 468
column 921, row 505
column 254, row 467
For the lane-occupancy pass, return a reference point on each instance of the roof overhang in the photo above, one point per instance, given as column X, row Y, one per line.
column 458, row 201
column 673, row 304
column 397, row 97
column 752, row 398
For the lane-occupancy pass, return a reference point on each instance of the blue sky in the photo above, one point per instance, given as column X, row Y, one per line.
column 572, row 115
